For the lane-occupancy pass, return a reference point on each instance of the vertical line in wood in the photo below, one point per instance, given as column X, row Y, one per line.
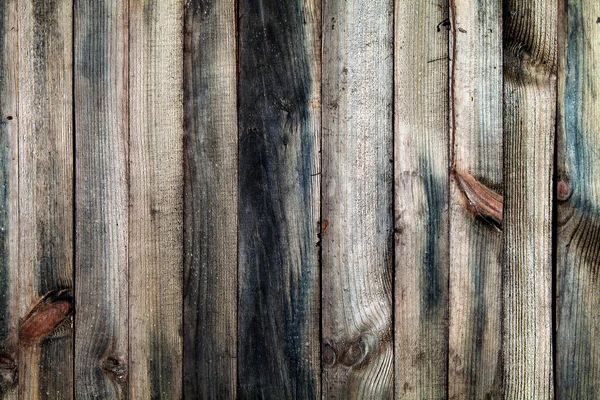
column 210, row 200
column 357, row 196
column 421, row 144
column 156, row 198
column 102, row 198
column 45, row 198
column 278, row 202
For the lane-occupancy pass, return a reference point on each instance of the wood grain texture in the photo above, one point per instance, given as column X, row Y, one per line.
column 278, row 202
column 578, row 199
column 210, row 201
column 530, row 63
column 357, row 253
column 45, row 188
column 475, row 291
column 9, row 201
column 421, row 199
column 156, row 198
column 102, row 198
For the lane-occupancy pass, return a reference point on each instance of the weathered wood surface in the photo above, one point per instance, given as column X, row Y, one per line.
column 421, row 199
column 530, row 64
column 155, row 198
column 45, row 198
column 578, row 199
column 9, row 207
column 475, row 290
column 278, row 203
column 210, row 201
column 101, row 198
column 357, row 196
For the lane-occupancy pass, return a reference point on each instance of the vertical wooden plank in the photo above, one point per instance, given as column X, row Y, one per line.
column 45, row 198
column 530, row 62
column 210, row 200
column 101, row 141
column 9, row 201
column 278, row 202
column 475, row 291
column 358, row 351
column 156, row 198
column 578, row 212
column 421, row 200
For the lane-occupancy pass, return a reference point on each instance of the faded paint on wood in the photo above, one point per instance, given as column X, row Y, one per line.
column 278, row 202
column 45, row 197
column 578, row 205
column 101, row 198
column 156, row 198
column 475, row 291
column 530, row 62
column 421, row 199
column 357, row 195
column 210, row 201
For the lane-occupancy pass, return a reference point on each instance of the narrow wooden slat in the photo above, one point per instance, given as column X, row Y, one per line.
column 578, row 213
column 358, row 351
column 530, row 62
column 45, row 197
column 210, row 201
column 156, row 198
column 278, row 202
column 101, row 190
column 475, row 291
column 9, row 202
column 421, row 199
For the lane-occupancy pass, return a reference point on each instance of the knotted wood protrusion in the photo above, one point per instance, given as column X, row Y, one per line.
column 47, row 314
column 483, row 201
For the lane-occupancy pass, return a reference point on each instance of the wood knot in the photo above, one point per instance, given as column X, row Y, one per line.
column 328, row 354
column 350, row 354
column 563, row 191
column 46, row 315
column 483, row 202
column 8, row 371
column 116, row 367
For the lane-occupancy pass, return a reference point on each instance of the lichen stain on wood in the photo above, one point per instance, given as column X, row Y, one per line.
column 482, row 201
column 47, row 314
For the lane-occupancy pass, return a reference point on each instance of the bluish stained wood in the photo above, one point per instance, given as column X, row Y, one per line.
column 210, row 201
column 278, row 203
column 101, row 198
column 578, row 205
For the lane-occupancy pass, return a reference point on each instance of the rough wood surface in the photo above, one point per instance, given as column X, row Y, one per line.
column 278, row 203
column 45, row 189
column 530, row 62
column 101, row 198
column 156, row 198
column 357, row 193
column 578, row 199
column 475, row 290
column 210, row 201
column 9, row 207
column 421, row 199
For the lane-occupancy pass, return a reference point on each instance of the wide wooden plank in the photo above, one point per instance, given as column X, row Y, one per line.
column 357, row 253
column 210, row 201
column 9, row 202
column 475, row 291
column 45, row 198
column 530, row 64
column 156, row 198
column 278, row 203
column 101, row 198
column 421, row 199
column 578, row 212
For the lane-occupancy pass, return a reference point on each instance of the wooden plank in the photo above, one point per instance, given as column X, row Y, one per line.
column 578, row 211
column 278, row 202
column 45, row 198
column 421, row 199
column 475, row 291
column 358, row 351
column 530, row 62
column 210, row 200
column 9, row 202
column 156, row 198
column 102, row 198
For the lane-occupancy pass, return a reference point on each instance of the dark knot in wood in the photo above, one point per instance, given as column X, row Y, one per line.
column 563, row 191
column 483, row 202
column 349, row 353
column 8, row 371
column 328, row 354
column 116, row 367
column 46, row 315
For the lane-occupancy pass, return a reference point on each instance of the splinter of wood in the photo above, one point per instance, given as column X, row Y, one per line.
column 483, row 201
column 47, row 314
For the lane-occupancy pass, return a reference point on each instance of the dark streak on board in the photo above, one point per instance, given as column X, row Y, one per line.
column 4, row 190
column 159, row 367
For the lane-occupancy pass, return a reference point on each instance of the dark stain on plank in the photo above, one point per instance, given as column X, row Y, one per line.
column 275, row 82
column 160, row 373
